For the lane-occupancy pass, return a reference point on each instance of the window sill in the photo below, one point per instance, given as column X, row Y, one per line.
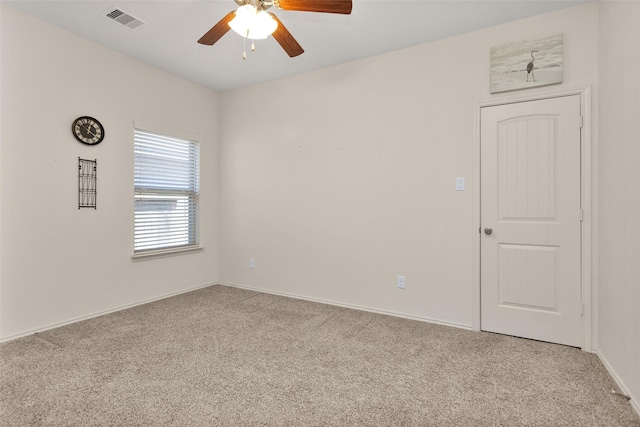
column 165, row 253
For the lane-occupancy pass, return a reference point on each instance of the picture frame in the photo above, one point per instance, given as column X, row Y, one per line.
column 527, row 64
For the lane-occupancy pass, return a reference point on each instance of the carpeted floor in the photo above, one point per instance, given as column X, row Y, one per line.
column 222, row 356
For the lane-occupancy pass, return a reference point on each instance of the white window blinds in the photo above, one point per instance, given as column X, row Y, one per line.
column 166, row 181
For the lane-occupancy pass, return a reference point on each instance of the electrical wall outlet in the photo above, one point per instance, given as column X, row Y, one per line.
column 252, row 263
column 400, row 282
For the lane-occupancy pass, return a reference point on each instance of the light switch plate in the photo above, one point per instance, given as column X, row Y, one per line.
column 460, row 183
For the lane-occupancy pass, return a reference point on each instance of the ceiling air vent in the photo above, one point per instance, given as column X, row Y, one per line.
column 124, row 18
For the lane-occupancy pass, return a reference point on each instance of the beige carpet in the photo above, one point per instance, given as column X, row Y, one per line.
column 225, row 356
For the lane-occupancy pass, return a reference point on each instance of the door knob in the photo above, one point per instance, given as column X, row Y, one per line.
column 488, row 230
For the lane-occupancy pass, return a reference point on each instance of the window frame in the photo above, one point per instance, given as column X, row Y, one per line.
column 139, row 254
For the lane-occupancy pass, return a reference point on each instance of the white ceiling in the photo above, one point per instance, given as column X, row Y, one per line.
column 168, row 39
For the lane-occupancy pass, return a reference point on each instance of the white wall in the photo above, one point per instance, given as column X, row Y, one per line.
column 337, row 181
column 619, row 191
column 60, row 263
column 340, row 179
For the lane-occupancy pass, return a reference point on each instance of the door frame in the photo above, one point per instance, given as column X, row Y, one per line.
column 588, row 253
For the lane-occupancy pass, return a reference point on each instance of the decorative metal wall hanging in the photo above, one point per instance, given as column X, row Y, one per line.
column 87, row 174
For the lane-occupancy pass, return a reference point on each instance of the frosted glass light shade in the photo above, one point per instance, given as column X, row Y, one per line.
column 252, row 24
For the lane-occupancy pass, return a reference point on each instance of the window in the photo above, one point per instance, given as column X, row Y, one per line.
column 166, row 181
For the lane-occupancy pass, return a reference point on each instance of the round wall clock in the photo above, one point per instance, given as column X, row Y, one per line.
column 88, row 130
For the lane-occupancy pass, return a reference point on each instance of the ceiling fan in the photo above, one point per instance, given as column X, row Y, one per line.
column 251, row 20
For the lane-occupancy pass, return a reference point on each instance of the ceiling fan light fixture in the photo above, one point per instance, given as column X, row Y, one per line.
column 253, row 24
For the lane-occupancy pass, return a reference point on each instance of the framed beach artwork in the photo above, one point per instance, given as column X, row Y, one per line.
column 526, row 64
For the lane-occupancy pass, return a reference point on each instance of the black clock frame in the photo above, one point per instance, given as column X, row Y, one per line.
column 93, row 123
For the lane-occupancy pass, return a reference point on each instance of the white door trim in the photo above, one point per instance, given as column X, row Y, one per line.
column 589, row 256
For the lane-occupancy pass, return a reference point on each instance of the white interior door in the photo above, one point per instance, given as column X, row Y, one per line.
column 530, row 216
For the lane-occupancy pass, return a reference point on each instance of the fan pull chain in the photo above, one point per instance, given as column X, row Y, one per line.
column 244, row 45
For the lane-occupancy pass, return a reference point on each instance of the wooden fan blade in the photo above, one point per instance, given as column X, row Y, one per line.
column 285, row 39
column 326, row 6
column 218, row 30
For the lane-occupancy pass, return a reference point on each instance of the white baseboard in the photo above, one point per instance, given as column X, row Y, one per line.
column 100, row 313
column 623, row 388
column 351, row 306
